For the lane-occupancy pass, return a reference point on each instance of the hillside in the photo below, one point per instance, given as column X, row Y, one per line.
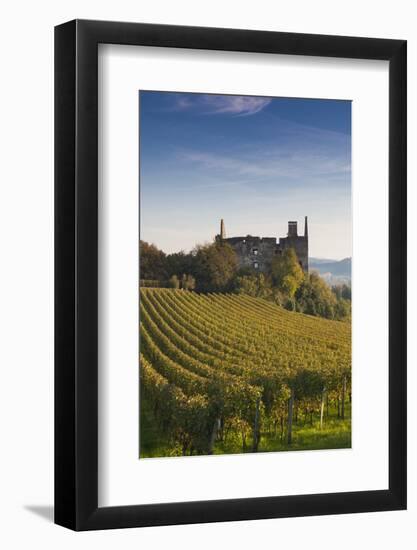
column 333, row 271
column 237, row 362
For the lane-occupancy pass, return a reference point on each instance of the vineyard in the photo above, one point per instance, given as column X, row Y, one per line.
column 232, row 373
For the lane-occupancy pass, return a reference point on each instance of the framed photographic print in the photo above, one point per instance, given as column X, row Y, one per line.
column 230, row 275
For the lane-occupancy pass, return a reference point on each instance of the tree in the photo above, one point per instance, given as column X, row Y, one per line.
column 343, row 309
column 174, row 282
column 187, row 282
column 287, row 273
column 342, row 291
column 255, row 284
column 346, row 292
column 315, row 297
column 215, row 266
column 178, row 263
column 152, row 262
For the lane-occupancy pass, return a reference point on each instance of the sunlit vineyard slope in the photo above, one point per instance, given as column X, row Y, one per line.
column 220, row 367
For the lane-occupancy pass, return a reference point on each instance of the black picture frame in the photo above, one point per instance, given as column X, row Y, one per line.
column 76, row 272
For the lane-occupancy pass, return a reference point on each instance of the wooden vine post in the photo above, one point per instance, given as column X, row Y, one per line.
column 290, row 417
column 215, row 431
column 343, row 397
column 256, row 427
column 323, row 399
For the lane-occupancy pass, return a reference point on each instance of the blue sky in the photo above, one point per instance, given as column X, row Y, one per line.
column 256, row 162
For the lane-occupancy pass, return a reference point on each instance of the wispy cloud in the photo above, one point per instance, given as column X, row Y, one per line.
column 221, row 104
column 255, row 162
column 298, row 165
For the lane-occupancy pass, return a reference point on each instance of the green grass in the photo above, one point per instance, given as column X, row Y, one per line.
column 153, row 442
column 336, row 434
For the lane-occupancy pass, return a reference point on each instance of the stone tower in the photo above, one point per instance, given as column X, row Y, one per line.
column 292, row 229
column 222, row 230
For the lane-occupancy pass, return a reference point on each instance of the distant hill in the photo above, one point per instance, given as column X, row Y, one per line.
column 334, row 271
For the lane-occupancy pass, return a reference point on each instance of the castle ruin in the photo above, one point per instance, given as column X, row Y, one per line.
column 258, row 252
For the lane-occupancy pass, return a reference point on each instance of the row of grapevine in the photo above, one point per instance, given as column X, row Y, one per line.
column 217, row 362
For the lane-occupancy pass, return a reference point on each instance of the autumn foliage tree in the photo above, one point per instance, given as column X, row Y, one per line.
column 215, row 266
column 286, row 272
column 315, row 297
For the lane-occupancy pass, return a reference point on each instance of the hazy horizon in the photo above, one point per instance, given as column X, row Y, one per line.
column 255, row 162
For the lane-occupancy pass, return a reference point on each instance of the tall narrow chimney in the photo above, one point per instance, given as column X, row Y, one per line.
column 222, row 230
column 305, row 227
column 292, row 229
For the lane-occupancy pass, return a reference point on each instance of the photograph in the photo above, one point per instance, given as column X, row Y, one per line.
column 209, row 339
column 245, row 274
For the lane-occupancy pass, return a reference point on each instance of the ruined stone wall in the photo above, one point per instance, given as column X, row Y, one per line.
column 300, row 245
column 254, row 252
column 257, row 252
